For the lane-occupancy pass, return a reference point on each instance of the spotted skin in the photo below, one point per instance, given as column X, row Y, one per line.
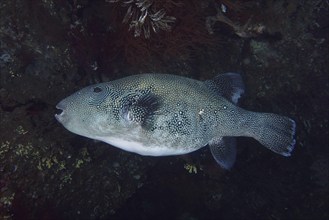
column 160, row 114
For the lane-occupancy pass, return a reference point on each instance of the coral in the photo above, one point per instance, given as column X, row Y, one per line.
column 251, row 18
column 138, row 33
column 36, row 161
column 144, row 17
column 245, row 31
column 186, row 36
column 241, row 21
column 191, row 168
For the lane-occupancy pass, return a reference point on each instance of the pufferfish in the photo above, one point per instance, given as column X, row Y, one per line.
column 162, row 114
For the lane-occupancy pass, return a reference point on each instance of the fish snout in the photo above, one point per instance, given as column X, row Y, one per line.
column 60, row 112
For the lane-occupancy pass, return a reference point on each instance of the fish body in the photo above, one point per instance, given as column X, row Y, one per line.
column 160, row 114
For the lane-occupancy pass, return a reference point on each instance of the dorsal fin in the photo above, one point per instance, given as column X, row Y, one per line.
column 228, row 85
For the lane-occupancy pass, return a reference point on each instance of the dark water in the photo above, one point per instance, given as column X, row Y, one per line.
column 49, row 49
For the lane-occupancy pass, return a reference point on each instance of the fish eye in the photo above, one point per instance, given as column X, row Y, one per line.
column 97, row 90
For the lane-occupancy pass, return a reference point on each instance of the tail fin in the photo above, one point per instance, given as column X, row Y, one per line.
column 276, row 133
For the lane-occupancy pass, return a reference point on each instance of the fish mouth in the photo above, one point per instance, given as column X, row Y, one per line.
column 59, row 112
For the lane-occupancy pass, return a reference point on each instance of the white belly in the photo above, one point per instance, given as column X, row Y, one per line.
column 140, row 148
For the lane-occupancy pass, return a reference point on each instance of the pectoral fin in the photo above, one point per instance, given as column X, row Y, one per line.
column 140, row 107
column 224, row 151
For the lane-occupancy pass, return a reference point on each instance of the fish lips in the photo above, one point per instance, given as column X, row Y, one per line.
column 60, row 112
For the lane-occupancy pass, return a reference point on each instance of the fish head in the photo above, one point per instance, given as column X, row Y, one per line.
column 87, row 112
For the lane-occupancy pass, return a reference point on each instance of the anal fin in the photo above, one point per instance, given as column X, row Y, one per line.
column 224, row 151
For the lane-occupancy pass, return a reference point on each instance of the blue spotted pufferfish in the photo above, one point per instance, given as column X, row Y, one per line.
column 161, row 114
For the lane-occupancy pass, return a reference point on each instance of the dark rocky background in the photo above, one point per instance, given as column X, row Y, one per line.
column 49, row 49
